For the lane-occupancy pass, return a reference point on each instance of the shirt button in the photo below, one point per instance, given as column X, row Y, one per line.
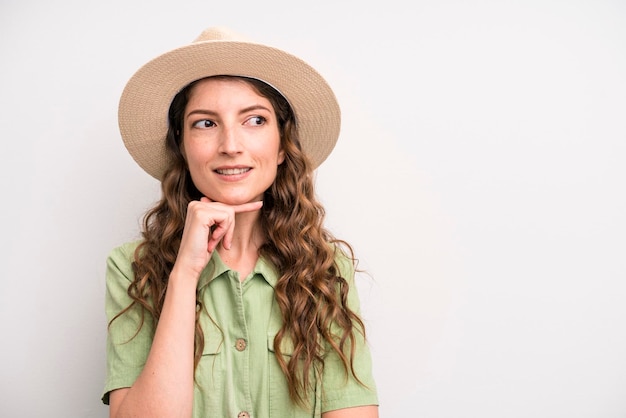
column 243, row 414
column 240, row 345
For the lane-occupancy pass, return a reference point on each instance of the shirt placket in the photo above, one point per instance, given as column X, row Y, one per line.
column 241, row 353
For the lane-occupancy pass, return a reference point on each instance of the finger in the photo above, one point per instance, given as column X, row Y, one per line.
column 248, row 207
column 220, row 230
column 228, row 236
column 216, row 237
column 223, row 229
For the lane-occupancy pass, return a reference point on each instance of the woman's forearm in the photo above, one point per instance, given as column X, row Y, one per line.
column 165, row 386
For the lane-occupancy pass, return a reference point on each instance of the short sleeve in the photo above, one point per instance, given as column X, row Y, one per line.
column 341, row 390
column 128, row 341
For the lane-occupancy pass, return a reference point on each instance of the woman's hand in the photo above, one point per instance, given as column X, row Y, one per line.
column 207, row 223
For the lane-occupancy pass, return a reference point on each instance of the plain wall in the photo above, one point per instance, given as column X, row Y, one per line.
column 479, row 175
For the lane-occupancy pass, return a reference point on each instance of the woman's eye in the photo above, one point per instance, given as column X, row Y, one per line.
column 256, row 120
column 204, row 123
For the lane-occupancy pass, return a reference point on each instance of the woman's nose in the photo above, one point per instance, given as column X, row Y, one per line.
column 229, row 141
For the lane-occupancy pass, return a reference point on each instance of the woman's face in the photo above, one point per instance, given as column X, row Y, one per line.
column 231, row 141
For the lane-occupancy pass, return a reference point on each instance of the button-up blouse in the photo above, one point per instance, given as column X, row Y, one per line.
column 238, row 375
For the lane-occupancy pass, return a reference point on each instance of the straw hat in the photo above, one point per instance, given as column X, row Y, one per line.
column 147, row 96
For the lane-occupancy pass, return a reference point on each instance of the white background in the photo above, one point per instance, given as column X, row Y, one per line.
column 479, row 175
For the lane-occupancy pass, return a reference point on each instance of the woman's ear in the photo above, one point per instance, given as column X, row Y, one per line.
column 281, row 156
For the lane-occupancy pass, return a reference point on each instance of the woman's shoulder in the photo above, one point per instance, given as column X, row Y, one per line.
column 121, row 257
column 125, row 250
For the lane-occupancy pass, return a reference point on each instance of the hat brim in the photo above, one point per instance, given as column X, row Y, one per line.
column 146, row 99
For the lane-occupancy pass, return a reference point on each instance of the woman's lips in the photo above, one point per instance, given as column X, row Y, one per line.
column 232, row 171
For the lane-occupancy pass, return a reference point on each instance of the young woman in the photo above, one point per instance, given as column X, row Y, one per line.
column 236, row 301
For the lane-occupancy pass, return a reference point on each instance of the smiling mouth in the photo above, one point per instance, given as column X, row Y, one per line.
column 232, row 171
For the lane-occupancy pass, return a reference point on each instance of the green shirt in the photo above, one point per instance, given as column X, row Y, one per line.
column 238, row 371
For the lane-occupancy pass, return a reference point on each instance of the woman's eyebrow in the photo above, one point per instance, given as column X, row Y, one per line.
column 213, row 113
column 254, row 107
column 201, row 112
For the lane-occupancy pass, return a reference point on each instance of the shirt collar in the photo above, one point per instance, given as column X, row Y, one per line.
column 216, row 267
column 266, row 269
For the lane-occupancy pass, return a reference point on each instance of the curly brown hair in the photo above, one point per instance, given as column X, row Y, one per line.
column 310, row 292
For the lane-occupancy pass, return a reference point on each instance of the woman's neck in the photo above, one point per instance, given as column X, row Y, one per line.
column 244, row 249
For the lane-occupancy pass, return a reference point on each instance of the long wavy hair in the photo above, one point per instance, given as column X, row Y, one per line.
column 310, row 292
